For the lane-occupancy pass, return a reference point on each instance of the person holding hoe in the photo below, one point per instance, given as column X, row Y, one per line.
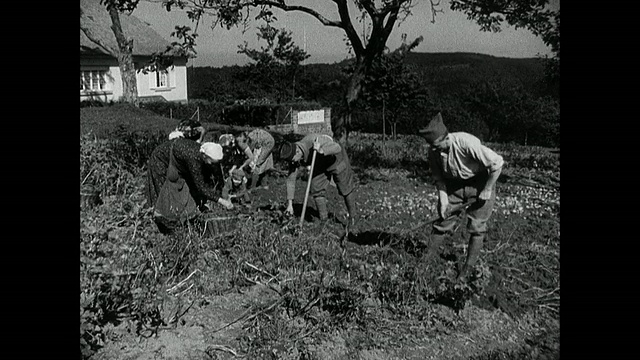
column 464, row 170
column 330, row 161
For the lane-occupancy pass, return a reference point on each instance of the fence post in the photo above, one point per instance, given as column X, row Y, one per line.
column 198, row 110
column 171, row 113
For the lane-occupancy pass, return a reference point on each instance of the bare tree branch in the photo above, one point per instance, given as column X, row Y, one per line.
column 304, row 9
column 370, row 8
column 434, row 10
column 347, row 26
column 393, row 17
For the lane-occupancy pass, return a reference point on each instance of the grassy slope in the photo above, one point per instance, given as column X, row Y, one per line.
column 102, row 120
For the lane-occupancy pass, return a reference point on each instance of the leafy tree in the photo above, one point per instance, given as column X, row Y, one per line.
column 394, row 85
column 512, row 114
column 533, row 15
column 381, row 16
column 280, row 59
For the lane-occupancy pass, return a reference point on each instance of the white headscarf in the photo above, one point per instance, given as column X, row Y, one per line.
column 176, row 134
column 212, row 150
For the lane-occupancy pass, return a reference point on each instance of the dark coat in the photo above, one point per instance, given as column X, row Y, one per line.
column 205, row 181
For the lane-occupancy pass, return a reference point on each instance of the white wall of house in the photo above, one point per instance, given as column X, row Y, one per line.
column 175, row 87
column 172, row 87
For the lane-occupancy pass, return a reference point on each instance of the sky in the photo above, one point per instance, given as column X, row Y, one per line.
column 452, row 32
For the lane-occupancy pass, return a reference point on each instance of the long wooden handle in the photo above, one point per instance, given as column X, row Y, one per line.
column 448, row 214
column 306, row 195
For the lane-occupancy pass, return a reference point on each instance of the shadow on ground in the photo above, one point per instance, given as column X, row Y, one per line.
column 411, row 244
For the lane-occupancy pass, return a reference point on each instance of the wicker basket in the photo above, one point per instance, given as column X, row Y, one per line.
column 215, row 225
column 89, row 197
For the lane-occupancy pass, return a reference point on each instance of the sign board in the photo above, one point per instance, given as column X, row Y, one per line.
column 311, row 117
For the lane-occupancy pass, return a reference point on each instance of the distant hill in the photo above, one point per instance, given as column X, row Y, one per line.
column 449, row 71
column 445, row 72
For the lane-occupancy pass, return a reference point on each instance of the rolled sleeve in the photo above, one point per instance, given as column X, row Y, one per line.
column 491, row 160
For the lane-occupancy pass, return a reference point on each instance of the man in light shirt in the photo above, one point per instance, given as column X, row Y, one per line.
column 463, row 169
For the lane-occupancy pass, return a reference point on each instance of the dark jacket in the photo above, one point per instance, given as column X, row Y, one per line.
column 204, row 181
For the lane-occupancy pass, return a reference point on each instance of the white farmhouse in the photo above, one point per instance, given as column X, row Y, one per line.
column 99, row 72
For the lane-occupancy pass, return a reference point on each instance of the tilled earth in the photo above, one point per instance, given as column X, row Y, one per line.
column 516, row 315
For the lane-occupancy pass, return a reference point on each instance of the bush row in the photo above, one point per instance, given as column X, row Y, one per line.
column 238, row 113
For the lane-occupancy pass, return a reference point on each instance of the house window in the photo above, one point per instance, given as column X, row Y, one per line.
column 93, row 80
column 162, row 79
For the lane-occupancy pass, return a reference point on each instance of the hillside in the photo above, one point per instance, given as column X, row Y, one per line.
column 444, row 71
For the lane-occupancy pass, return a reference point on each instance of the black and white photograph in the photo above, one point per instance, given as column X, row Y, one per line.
column 320, row 179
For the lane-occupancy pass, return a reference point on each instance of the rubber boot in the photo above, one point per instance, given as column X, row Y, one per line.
column 352, row 219
column 473, row 253
column 321, row 205
column 254, row 180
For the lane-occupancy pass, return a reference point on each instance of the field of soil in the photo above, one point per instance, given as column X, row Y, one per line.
column 270, row 290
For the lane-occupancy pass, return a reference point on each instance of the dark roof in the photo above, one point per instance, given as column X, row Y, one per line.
column 145, row 40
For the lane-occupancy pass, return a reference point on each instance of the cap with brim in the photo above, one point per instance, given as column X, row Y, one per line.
column 287, row 151
column 434, row 130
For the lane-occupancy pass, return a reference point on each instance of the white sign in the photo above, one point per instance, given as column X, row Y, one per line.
column 311, row 117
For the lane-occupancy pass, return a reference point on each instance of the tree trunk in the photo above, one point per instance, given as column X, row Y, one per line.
column 125, row 60
column 384, row 131
column 353, row 92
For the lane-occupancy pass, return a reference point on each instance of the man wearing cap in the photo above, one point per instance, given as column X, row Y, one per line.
column 463, row 169
column 196, row 164
column 331, row 162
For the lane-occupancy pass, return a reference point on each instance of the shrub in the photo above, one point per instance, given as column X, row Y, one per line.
column 103, row 169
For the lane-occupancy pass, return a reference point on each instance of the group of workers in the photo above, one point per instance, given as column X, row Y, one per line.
column 464, row 170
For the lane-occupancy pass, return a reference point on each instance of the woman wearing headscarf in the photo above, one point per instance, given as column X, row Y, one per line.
column 196, row 163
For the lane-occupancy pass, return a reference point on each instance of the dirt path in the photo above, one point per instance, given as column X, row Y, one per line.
column 199, row 337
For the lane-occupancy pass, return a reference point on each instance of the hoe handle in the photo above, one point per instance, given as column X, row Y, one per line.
column 448, row 214
column 306, row 195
